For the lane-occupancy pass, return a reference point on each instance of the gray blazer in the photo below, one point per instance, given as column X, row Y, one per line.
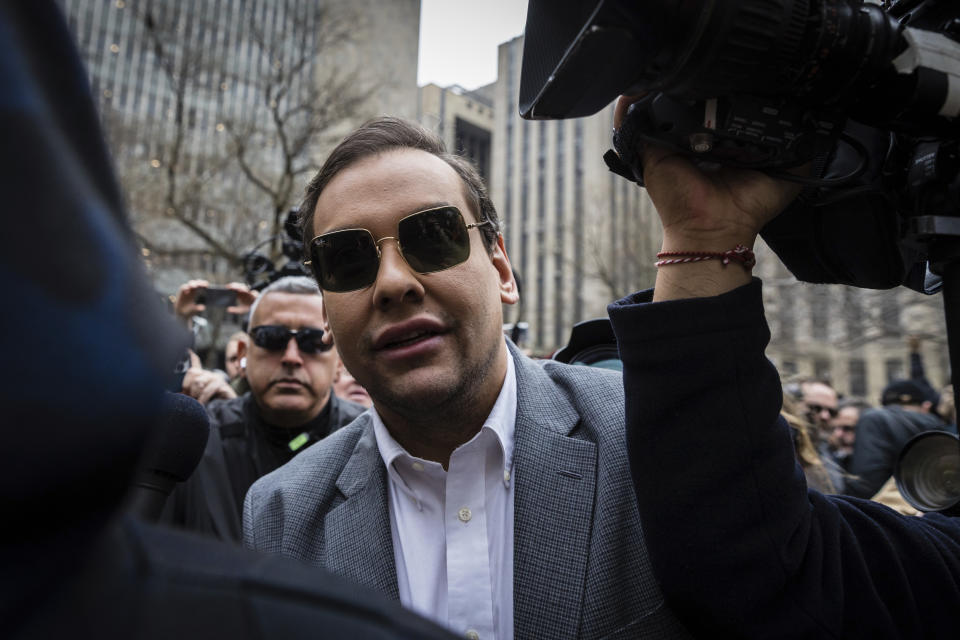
column 580, row 563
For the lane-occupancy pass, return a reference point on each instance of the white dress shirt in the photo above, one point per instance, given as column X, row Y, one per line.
column 453, row 530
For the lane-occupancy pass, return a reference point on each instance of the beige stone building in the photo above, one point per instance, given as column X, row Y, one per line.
column 578, row 235
column 857, row 338
column 463, row 118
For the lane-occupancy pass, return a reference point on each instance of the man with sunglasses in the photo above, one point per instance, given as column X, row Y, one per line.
column 820, row 400
column 483, row 490
column 290, row 405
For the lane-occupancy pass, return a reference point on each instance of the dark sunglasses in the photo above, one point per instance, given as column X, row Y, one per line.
column 815, row 409
column 431, row 240
column 277, row 337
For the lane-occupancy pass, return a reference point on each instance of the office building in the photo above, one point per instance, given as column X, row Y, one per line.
column 578, row 235
column 218, row 112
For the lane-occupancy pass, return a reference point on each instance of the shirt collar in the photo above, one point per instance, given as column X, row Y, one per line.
column 503, row 417
column 501, row 421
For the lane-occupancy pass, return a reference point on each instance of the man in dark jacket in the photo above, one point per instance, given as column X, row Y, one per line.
column 881, row 434
column 290, row 405
column 739, row 545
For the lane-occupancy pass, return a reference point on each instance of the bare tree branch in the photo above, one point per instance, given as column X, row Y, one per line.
column 226, row 178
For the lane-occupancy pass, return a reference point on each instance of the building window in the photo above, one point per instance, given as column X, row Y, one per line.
column 559, row 290
column 852, row 313
column 524, row 212
column 858, row 377
column 788, row 319
column 821, row 369
column 890, row 313
column 819, row 310
column 538, row 313
column 541, row 325
column 894, row 368
column 578, row 231
column 508, row 179
column 473, row 142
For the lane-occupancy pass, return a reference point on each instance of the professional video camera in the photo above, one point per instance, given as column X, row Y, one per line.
column 867, row 93
column 259, row 270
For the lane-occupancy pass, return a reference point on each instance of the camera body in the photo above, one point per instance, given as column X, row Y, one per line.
column 868, row 94
column 259, row 270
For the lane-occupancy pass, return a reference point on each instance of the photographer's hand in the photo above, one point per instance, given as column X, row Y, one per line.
column 711, row 211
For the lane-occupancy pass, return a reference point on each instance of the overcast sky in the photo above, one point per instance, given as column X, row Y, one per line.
column 459, row 38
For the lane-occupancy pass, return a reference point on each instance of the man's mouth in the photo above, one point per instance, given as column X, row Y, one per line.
column 287, row 382
column 409, row 340
column 408, row 334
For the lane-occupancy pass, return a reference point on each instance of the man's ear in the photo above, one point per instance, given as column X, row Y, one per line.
column 509, row 292
column 241, row 350
column 325, row 324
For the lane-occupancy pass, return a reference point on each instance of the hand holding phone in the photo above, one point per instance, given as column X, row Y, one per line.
column 186, row 305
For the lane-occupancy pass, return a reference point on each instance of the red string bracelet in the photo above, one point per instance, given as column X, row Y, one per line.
column 739, row 254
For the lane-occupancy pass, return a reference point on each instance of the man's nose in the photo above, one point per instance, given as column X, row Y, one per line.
column 396, row 281
column 291, row 354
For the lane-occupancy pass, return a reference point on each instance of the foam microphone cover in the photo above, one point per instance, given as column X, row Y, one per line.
column 180, row 437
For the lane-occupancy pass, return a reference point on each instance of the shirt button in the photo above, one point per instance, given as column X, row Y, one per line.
column 506, row 478
column 417, row 466
column 465, row 514
column 473, row 635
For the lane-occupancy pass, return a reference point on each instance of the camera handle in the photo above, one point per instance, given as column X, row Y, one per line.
column 941, row 233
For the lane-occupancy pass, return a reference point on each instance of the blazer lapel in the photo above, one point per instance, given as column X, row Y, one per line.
column 359, row 544
column 555, row 479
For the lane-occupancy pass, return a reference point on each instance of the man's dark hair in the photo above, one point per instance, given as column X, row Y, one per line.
column 386, row 134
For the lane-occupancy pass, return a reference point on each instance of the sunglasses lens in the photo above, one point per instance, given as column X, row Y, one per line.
column 344, row 260
column 816, row 408
column 434, row 240
column 277, row 337
column 271, row 338
column 308, row 341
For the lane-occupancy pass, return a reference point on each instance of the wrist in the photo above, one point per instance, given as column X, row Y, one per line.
column 686, row 273
column 695, row 235
column 705, row 242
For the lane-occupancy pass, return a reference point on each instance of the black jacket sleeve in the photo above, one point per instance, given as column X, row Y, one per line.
column 740, row 546
column 875, row 454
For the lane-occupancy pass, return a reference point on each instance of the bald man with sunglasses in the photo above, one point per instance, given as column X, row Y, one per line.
column 290, row 405
column 485, row 491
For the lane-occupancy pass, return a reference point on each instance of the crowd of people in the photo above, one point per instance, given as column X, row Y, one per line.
column 824, row 423
column 494, row 495
column 371, row 494
column 849, row 446
column 282, row 389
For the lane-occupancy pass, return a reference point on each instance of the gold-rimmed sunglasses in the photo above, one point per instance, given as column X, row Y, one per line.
column 429, row 241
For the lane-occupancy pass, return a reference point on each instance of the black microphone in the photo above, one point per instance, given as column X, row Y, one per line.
column 171, row 456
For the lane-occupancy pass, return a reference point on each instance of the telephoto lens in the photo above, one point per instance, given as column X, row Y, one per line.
column 928, row 472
